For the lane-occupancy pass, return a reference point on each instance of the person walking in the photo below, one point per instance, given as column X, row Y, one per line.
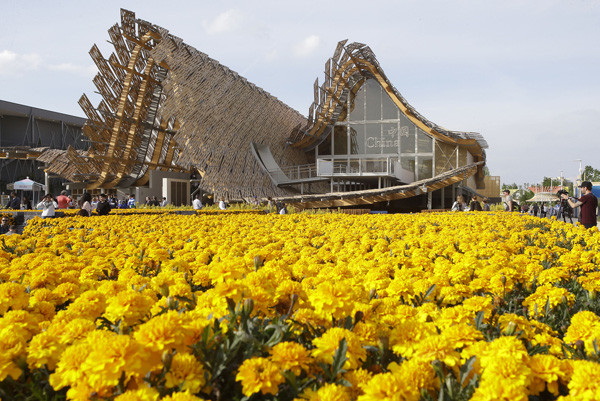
column 131, row 202
column 507, row 200
column 197, row 202
column 588, row 204
column 85, row 204
column 63, row 200
column 14, row 202
column 103, row 207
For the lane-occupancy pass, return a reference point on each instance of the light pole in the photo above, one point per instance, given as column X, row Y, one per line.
column 561, row 179
column 580, row 178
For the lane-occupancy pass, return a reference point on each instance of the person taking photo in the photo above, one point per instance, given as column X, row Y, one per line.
column 588, row 204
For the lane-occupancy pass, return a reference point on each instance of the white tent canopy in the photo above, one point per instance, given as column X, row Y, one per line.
column 27, row 185
column 544, row 197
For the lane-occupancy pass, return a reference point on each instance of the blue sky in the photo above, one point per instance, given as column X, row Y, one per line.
column 525, row 74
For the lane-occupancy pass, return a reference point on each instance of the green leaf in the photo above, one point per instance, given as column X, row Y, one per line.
column 339, row 359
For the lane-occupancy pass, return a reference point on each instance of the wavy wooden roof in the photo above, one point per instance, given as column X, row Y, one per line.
column 345, row 73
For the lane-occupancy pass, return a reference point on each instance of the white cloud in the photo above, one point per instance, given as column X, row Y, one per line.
column 70, row 68
column 307, row 46
column 13, row 64
column 228, row 21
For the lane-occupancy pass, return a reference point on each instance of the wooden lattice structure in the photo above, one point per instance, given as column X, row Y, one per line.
column 166, row 105
column 222, row 113
column 127, row 135
column 345, row 73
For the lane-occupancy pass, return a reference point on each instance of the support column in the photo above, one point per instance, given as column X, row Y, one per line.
column 443, row 198
column 47, row 182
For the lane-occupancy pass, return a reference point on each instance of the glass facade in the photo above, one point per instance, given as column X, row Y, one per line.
column 374, row 129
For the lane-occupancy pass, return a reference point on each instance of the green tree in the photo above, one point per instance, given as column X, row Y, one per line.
column 509, row 186
column 590, row 174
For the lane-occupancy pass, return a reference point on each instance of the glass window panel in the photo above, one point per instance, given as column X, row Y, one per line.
column 373, row 100
column 355, row 141
column 340, row 141
column 407, row 135
column 357, row 132
column 425, row 168
column 390, row 110
column 408, row 163
column 425, row 142
column 357, row 112
column 390, row 139
column 373, row 139
column 325, row 147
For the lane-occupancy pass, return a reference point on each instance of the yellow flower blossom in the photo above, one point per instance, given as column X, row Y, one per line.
column 259, row 375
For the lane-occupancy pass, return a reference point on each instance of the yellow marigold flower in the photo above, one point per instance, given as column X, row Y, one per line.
column 89, row 305
column 163, row 332
column 306, row 315
column 546, row 372
column 141, row 394
column 404, row 337
column 44, row 277
column 329, row 342
column 333, row 299
column 130, row 307
column 585, row 326
column 332, row 392
column 74, row 330
column 368, row 333
column 358, row 378
column 21, row 323
column 504, row 379
column 111, row 288
column 585, row 382
column 388, row 387
column 225, row 270
column 462, row 334
column 187, row 372
column 68, row 370
column 42, row 295
column 12, row 346
column 181, row 397
column 291, row 356
column 436, row 347
column 66, row 292
column 259, row 375
column 233, row 289
column 416, row 375
column 44, row 310
column 112, row 357
column 12, row 296
column 44, row 349
column 536, row 302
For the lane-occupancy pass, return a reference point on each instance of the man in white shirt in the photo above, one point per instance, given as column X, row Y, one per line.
column 197, row 203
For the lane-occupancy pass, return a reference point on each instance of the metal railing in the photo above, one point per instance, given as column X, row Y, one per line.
column 357, row 167
column 300, row 172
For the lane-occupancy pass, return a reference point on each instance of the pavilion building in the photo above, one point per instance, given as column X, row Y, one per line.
column 168, row 112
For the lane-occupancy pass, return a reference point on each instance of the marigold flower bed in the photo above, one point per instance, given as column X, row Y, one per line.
column 480, row 306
